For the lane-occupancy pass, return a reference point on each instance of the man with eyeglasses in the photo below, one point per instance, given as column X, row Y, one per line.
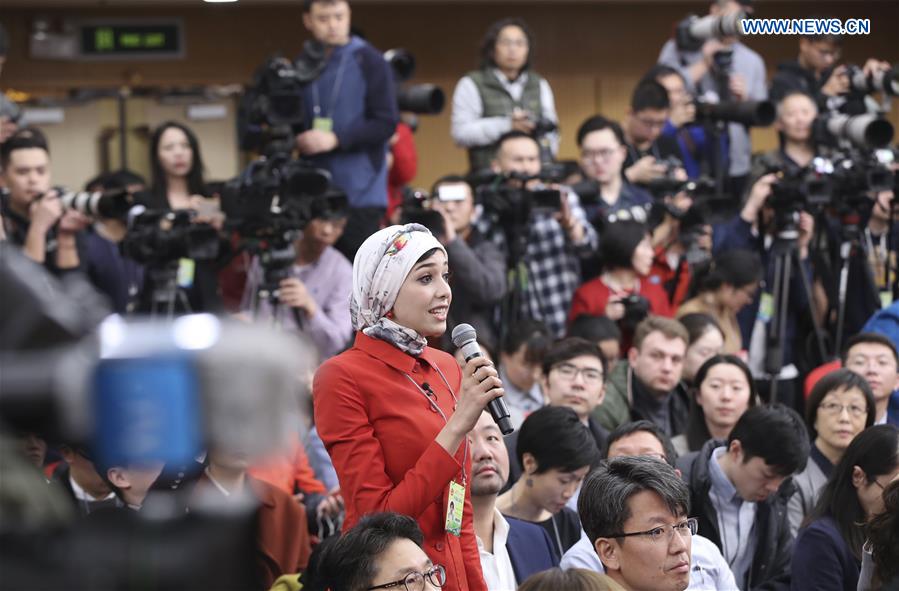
column 739, row 491
column 873, row 356
column 634, row 512
column 708, row 569
column 642, row 126
column 574, row 372
column 382, row 551
column 603, row 151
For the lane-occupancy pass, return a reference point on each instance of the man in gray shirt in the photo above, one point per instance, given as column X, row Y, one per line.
column 739, row 491
column 746, row 82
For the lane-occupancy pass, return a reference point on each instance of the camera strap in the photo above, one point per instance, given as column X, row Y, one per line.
column 335, row 90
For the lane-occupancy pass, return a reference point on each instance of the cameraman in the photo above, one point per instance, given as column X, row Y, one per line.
column 745, row 82
column 555, row 242
column 313, row 296
column 351, row 113
column 603, row 153
column 755, row 228
column 504, row 95
column 32, row 213
column 816, row 73
column 478, row 266
column 646, row 146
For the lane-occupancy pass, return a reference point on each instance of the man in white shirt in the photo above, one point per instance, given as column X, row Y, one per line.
column 510, row 549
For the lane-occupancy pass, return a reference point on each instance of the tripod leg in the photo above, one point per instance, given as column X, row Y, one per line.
column 813, row 308
column 841, row 295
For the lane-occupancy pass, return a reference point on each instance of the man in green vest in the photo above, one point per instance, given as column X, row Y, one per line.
column 504, row 95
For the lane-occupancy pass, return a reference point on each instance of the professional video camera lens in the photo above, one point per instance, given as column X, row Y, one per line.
column 113, row 204
column 749, row 113
column 866, row 131
column 879, row 81
column 693, row 31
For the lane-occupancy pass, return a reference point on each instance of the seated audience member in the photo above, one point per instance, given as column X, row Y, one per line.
column 574, row 373
column 648, row 386
column 33, row 448
column 635, row 513
column 556, row 241
column 511, row 550
column 505, row 94
column 312, row 297
column 880, row 563
column 382, row 551
column 642, row 438
column 626, row 253
column 282, row 537
column 79, row 478
column 827, row 553
column 556, row 452
column 874, row 357
column 723, row 391
column 735, row 492
column 681, row 241
column 601, row 330
column 602, row 154
column 520, row 358
column 642, row 127
column 754, row 229
column 729, row 285
column 478, row 265
column 840, row 407
column 575, row 579
column 32, row 212
column 706, row 341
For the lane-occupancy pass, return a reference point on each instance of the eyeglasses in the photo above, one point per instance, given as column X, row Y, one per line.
column 569, row 372
column 603, row 154
column 685, row 529
column 415, row 581
column 835, row 408
column 651, row 123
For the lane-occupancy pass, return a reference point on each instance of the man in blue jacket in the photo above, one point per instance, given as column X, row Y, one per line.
column 511, row 550
column 351, row 112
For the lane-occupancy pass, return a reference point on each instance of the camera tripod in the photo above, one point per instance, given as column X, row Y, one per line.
column 786, row 255
column 275, row 262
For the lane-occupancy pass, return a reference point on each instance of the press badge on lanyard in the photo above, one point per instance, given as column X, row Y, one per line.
column 320, row 122
column 454, row 508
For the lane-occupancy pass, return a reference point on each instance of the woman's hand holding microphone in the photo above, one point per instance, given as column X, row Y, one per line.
column 480, row 385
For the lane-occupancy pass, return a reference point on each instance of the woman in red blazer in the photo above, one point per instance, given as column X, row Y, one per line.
column 393, row 413
column 626, row 253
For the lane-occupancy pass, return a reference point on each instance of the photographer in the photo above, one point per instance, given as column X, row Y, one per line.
column 756, row 228
column 555, row 242
column 313, row 295
column 33, row 215
column 642, row 127
column 602, row 155
column 351, row 113
column 723, row 70
column 478, row 266
column 505, row 94
column 816, row 73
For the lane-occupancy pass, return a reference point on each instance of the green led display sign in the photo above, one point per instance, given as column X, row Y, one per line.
column 131, row 40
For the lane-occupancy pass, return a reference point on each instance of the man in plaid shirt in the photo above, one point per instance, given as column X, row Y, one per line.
column 555, row 241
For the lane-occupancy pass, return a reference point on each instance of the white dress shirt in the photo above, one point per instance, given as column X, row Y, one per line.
column 497, row 567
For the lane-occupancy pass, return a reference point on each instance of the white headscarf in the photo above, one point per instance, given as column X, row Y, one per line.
column 379, row 270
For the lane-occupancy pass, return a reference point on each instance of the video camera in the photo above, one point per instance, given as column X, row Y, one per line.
column 160, row 237
column 422, row 99
column 693, row 31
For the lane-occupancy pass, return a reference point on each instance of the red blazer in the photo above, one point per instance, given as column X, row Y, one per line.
column 593, row 296
column 664, row 275
column 379, row 430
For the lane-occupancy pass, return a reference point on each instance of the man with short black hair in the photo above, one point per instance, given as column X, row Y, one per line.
column 601, row 330
column 642, row 127
column 351, row 113
column 649, row 385
column 873, row 356
column 554, row 242
column 635, row 513
column 520, row 358
column 739, row 494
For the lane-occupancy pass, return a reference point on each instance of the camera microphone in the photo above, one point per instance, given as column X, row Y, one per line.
column 466, row 339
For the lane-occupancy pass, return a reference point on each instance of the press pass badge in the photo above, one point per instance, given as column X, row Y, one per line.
column 886, row 299
column 766, row 307
column 186, row 270
column 454, row 508
column 323, row 124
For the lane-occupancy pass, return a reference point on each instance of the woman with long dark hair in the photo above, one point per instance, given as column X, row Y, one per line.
column 839, row 407
column 729, row 283
column 827, row 553
column 724, row 390
column 176, row 167
column 394, row 413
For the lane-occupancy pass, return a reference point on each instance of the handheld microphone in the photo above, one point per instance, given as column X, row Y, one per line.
column 465, row 338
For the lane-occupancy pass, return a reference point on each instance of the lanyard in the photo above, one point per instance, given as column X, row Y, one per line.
column 439, row 410
column 335, row 91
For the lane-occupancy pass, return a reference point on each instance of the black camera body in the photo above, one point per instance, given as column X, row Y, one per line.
column 636, row 308
column 158, row 237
